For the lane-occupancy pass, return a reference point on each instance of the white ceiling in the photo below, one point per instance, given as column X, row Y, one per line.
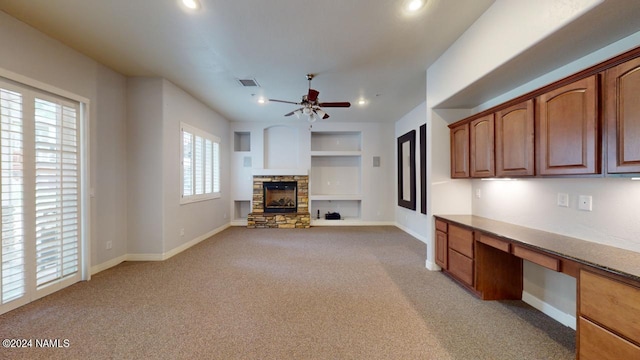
column 357, row 48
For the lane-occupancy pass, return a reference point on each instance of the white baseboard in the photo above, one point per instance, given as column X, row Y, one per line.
column 558, row 315
column 155, row 257
column 193, row 242
column 411, row 232
column 240, row 222
column 108, row 264
column 347, row 222
column 432, row 266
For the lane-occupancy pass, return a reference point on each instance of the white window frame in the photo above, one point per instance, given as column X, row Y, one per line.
column 214, row 191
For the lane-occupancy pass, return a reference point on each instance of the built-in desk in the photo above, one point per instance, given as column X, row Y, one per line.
column 485, row 256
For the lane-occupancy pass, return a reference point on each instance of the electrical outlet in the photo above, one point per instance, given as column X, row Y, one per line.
column 478, row 193
column 563, row 199
column 182, row 232
column 109, row 245
column 585, row 202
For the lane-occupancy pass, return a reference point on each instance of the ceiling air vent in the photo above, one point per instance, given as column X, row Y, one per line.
column 248, row 82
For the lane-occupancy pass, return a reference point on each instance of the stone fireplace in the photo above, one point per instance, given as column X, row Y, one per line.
column 280, row 201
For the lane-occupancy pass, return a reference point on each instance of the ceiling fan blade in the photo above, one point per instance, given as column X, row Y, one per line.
column 321, row 113
column 284, row 101
column 293, row 112
column 313, row 95
column 335, row 104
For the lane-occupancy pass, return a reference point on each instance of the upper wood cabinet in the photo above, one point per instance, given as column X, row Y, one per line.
column 460, row 151
column 622, row 114
column 515, row 154
column 482, row 157
column 568, row 130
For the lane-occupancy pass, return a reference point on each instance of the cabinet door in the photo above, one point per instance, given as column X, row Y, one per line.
column 441, row 249
column 622, row 112
column 568, row 129
column 482, row 155
column 460, row 151
column 515, row 140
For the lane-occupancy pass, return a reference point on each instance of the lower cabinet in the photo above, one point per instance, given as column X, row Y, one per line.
column 609, row 318
column 489, row 265
column 441, row 249
column 455, row 250
column 461, row 267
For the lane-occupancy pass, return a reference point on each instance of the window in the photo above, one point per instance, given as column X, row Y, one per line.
column 200, row 164
column 40, row 192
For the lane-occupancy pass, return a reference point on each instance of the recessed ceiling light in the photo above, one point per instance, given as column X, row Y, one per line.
column 414, row 5
column 261, row 100
column 362, row 102
column 191, row 4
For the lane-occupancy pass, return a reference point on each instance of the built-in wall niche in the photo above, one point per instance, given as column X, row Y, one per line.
column 241, row 141
column 242, row 208
column 336, row 141
column 335, row 175
column 348, row 209
column 281, row 147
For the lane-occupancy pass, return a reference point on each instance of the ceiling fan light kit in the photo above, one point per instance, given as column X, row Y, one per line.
column 311, row 106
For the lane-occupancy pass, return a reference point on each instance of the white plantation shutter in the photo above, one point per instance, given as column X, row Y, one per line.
column 187, row 163
column 57, row 184
column 216, row 167
column 12, row 256
column 200, row 165
column 40, row 192
column 208, row 166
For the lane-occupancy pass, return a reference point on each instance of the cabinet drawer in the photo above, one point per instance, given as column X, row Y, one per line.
column 537, row 258
column 461, row 266
column 461, row 240
column 596, row 343
column 494, row 243
column 611, row 303
column 441, row 225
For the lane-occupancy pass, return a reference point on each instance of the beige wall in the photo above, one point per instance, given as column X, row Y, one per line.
column 31, row 54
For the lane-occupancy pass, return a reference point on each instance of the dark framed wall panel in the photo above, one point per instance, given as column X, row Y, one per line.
column 423, row 168
column 407, row 170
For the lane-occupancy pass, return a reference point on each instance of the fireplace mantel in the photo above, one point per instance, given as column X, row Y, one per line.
column 280, row 172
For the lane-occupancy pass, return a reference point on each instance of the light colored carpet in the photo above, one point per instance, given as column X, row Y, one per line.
column 319, row 293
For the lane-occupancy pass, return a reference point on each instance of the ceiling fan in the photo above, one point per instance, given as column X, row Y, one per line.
column 311, row 106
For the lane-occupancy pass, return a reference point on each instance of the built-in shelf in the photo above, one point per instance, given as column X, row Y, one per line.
column 336, row 141
column 242, row 208
column 241, row 141
column 341, row 222
column 336, row 197
column 336, row 177
column 348, row 209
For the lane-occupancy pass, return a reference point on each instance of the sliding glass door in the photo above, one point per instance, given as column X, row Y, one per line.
column 40, row 194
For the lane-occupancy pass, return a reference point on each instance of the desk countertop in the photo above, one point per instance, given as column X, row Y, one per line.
column 619, row 261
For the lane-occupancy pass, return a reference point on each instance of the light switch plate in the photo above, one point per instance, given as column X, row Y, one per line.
column 563, row 199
